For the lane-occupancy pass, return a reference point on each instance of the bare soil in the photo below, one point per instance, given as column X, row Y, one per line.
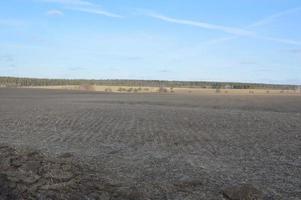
column 150, row 146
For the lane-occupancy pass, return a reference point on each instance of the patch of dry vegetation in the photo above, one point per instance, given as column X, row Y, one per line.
column 173, row 90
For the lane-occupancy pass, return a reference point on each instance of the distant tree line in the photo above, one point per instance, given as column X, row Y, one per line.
column 21, row 82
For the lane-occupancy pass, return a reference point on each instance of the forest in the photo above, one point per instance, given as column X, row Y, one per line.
column 26, row 82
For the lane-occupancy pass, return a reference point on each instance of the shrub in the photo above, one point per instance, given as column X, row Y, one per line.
column 162, row 90
column 108, row 90
column 87, row 87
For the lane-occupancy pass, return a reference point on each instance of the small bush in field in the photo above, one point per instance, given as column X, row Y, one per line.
column 162, row 90
column 108, row 90
column 87, row 87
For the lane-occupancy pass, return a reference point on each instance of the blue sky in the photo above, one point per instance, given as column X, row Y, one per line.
column 216, row 40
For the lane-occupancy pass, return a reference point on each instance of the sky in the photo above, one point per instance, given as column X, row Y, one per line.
column 189, row 40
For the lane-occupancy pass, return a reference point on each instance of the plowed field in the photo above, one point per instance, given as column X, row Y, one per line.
column 166, row 146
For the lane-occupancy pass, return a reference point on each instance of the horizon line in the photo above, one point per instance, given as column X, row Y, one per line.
column 160, row 80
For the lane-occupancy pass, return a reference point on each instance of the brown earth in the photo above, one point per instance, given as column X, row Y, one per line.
column 28, row 174
column 149, row 146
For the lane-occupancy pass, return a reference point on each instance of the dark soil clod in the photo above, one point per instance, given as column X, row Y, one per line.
column 242, row 192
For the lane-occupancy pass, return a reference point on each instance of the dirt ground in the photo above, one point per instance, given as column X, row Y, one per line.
column 149, row 146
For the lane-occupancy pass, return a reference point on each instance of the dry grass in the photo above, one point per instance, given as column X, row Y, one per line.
column 192, row 91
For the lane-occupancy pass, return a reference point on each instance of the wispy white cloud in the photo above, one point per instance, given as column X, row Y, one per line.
column 54, row 13
column 263, row 22
column 83, row 6
column 273, row 17
column 204, row 25
column 237, row 32
column 94, row 10
column 280, row 40
column 70, row 2
column 267, row 38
